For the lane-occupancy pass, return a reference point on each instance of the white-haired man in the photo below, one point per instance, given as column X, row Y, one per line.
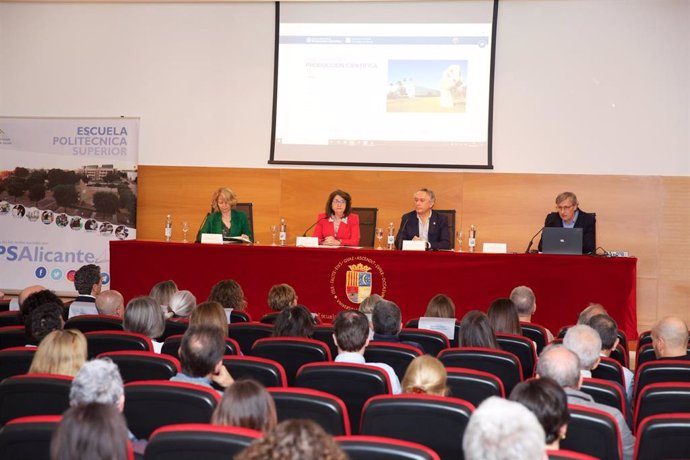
column 526, row 304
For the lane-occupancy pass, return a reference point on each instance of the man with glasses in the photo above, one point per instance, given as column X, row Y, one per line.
column 569, row 215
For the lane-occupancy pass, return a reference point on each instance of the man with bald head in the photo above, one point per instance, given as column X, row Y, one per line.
column 111, row 303
column 592, row 309
column 670, row 339
column 526, row 304
column 563, row 366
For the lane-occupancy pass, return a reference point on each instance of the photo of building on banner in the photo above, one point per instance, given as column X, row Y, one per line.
column 67, row 187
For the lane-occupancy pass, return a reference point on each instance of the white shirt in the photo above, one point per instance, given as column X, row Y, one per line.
column 356, row 358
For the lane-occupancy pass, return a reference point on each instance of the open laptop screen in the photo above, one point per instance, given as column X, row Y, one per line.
column 559, row 240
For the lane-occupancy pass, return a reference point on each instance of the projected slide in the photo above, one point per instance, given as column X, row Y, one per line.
column 398, row 94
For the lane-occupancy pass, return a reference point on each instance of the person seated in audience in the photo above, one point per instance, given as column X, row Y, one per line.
column 110, row 303
column 294, row 439
column 423, row 223
column 246, row 403
column 549, row 403
column 36, row 299
column 476, row 331
column 23, row 295
column 503, row 317
column 440, row 306
column 294, row 322
column 88, row 283
column 367, row 307
column 281, row 296
column 503, row 430
column 526, row 304
column 99, row 381
column 162, row 292
column 386, row 320
column 210, row 314
column 201, row 357
column 586, row 344
column 592, row 309
column 563, row 366
column 607, row 329
column 337, row 226
column 43, row 320
column 426, row 375
column 670, row 338
column 229, row 294
column 144, row 316
column 90, row 432
column 61, row 352
column 569, row 215
column 182, row 304
column 351, row 336
column 225, row 219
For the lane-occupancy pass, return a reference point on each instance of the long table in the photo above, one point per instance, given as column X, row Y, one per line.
column 322, row 277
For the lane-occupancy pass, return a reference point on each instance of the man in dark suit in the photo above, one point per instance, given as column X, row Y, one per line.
column 423, row 223
column 570, row 216
column 88, row 283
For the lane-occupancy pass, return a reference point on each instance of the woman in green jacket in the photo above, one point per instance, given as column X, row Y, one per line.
column 224, row 219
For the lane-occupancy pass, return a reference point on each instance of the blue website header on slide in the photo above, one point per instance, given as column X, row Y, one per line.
column 376, row 40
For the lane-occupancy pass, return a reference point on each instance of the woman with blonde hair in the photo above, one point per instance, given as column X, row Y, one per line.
column 211, row 314
column 426, row 375
column 225, row 219
column 162, row 293
column 247, row 404
column 61, row 352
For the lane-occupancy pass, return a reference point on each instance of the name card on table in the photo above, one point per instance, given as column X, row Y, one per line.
column 307, row 242
column 444, row 325
column 415, row 245
column 495, row 248
column 211, row 238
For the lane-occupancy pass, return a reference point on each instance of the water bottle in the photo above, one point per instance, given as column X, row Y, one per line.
column 168, row 227
column 282, row 236
column 391, row 236
column 472, row 240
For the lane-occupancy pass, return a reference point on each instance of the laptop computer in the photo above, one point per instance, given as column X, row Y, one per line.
column 559, row 240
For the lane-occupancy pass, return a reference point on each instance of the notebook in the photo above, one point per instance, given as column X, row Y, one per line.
column 559, row 240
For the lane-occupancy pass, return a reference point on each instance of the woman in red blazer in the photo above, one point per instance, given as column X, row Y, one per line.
column 337, row 226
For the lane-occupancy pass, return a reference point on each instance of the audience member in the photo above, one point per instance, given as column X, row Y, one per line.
column 88, row 283
column 586, row 344
column 295, row 321
column 201, row 357
column 144, row 316
column 35, row 300
column 351, row 336
column 295, row 439
column 592, row 309
column 526, row 305
column 503, row 317
column 25, row 293
column 503, row 430
column 110, row 303
column 90, row 432
column 367, row 305
column 426, row 375
column 246, row 403
column 549, row 403
column 281, row 296
column 61, row 352
column 229, row 294
column 182, row 304
column 440, row 306
column 563, row 366
column 670, row 338
column 43, row 320
column 476, row 331
column 99, row 381
column 607, row 329
column 386, row 320
column 210, row 314
column 162, row 292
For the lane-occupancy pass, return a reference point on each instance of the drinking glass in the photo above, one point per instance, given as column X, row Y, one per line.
column 379, row 236
column 274, row 230
column 185, row 229
column 458, row 236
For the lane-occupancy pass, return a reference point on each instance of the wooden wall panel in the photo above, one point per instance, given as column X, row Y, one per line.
column 645, row 215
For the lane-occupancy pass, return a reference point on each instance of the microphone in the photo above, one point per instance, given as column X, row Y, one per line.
column 531, row 242
column 398, row 237
column 198, row 233
column 313, row 225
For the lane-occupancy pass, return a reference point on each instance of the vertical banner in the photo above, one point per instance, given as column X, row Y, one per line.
column 67, row 187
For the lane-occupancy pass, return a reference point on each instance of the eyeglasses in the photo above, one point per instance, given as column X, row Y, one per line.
column 565, row 208
column 339, row 201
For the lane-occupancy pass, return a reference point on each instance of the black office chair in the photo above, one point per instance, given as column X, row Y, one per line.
column 93, row 323
column 472, row 385
column 662, row 398
column 663, row 436
column 247, row 209
column 267, row 372
column 450, row 215
column 367, row 225
column 537, row 333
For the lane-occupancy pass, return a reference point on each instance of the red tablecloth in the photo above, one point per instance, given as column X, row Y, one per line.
column 563, row 285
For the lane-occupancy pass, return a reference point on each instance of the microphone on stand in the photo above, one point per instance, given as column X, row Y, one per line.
column 398, row 237
column 313, row 225
column 198, row 233
column 531, row 242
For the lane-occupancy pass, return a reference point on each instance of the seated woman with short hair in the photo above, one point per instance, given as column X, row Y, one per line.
column 294, row 322
column 144, row 316
column 247, row 404
column 61, row 352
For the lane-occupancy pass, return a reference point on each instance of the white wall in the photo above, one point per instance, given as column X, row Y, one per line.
column 581, row 86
